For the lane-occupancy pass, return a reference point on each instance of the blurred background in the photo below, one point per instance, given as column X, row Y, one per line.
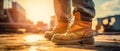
column 38, row 15
column 23, row 22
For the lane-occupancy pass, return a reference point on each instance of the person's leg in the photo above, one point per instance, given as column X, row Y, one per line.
column 87, row 12
column 63, row 13
column 80, row 30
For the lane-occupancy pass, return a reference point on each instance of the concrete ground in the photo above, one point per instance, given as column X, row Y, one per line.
column 16, row 42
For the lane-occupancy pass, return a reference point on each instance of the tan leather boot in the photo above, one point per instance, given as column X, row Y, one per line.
column 61, row 27
column 78, row 33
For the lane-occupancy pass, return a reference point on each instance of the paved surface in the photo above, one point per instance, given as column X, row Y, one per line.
column 16, row 42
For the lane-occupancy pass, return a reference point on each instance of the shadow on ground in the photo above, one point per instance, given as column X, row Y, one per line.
column 99, row 46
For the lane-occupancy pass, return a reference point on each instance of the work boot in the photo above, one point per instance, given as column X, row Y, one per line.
column 61, row 28
column 79, row 33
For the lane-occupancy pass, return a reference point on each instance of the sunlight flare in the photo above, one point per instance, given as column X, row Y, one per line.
column 34, row 38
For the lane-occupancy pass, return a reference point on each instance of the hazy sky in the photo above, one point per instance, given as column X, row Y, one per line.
column 107, row 7
column 41, row 10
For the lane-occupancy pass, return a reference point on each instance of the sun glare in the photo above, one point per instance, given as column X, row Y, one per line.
column 37, row 11
column 34, row 38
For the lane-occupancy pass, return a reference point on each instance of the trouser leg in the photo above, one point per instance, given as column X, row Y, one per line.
column 86, row 8
column 62, row 8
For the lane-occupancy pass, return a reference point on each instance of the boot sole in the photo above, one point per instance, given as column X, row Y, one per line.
column 74, row 42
